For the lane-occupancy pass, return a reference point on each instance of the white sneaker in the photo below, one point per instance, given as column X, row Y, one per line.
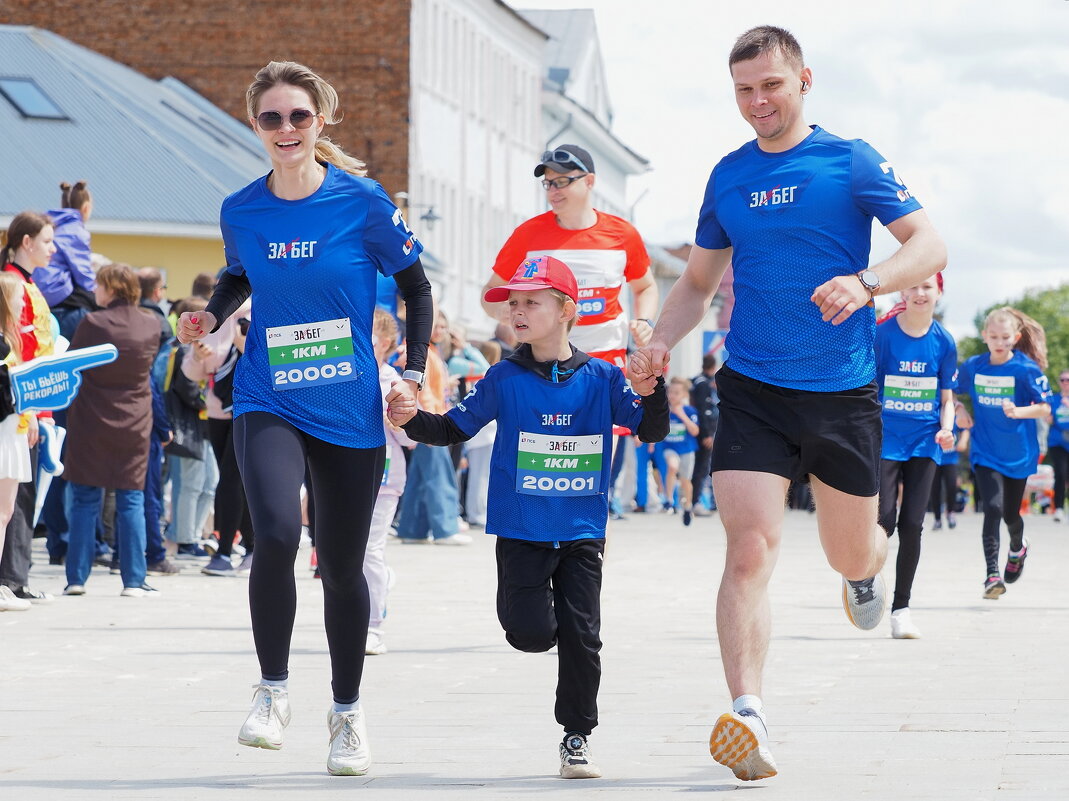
column 74, row 589
column 902, row 626
column 350, row 754
column 1059, row 515
column 144, row 591
column 740, row 741
column 575, row 760
column 270, row 714
column 454, row 539
column 865, row 601
column 9, row 602
column 376, row 646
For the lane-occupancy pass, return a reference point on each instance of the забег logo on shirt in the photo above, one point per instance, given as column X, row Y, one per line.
column 776, row 196
column 291, row 250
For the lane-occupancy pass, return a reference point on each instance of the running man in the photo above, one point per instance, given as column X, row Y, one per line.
column 603, row 251
column 792, row 212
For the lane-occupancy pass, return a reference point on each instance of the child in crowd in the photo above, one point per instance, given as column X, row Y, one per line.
column 384, row 332
column 1009, row 393
column 679, row 447
column 555, row 407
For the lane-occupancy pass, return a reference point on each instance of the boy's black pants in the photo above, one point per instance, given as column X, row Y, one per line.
column 550, row 596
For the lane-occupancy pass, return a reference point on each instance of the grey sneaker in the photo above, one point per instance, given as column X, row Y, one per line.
column 740, row 742
column 350, row 754
column 575, row 761
column 865, row 601
column 270, row 714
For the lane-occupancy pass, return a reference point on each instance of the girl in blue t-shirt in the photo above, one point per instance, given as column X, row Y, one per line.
column 916, row 370
column 679, row 446
column 1058, row 443
column 307, row 242
column 1009, row 393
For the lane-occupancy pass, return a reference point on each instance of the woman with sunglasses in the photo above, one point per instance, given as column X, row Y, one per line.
column 916, row 370
column 306, row 242
column 1058, row 443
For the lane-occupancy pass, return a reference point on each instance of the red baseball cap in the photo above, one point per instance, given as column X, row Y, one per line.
column 544, row 272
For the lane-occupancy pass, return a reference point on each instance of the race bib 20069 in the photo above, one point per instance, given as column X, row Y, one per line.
column 559, row 465
column 311, row 354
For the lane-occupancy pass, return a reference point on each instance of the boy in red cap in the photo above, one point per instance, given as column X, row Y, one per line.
column 549, row 475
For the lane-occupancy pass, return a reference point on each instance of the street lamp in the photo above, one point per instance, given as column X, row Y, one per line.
column 428, row 218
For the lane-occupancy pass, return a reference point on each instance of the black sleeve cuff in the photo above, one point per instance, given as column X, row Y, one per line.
column 230, row 292
column 654, row 425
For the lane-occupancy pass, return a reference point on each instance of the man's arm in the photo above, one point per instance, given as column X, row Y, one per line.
column 683, row 309
column 921, row 254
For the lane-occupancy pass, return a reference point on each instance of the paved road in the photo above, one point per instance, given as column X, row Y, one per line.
column 108, row 697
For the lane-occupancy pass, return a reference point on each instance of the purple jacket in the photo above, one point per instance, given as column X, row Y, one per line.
column 71, row 263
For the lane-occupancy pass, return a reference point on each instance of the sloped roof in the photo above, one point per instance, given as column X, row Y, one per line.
column 158, row 157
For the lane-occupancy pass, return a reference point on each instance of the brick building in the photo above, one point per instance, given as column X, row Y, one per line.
column 216, row 48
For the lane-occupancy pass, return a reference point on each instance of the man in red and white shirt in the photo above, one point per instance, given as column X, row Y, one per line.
column 603, row 251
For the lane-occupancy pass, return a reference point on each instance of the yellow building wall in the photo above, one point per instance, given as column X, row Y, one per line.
column 181, row 257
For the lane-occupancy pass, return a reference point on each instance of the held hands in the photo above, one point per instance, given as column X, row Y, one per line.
column 840, row 297
column 641, row 332
column 645, row 365
column 401, row 403
column 194, row 325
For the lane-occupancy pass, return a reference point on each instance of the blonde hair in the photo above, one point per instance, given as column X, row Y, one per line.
column 384, row 326
column 1033, row 341
column 12, row 296
column 323, row 97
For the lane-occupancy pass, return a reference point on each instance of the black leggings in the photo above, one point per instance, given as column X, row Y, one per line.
column 916, row 476
column 1058, row 458
column 231, row 509
column 1001, row 498
column 944, row 489
column 272, row 454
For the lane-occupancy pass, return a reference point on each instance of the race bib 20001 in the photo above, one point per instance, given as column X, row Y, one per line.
column 559, row 465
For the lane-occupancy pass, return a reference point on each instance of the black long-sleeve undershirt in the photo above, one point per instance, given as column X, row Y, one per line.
column 233, row 290
column 438, row 429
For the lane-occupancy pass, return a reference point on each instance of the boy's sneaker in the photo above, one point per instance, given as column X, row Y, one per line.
column 270, row 714
column 1059, row 515
column 219, row 566
column 74, row 589
column 902, row 626
column 994, row 587
column 686, row 517
column 1015, row 563
column 865, row 601
column 952, row 521
column 350, row 754
column 938, row 524
column 575, row 761
column 190, row 550
column 376, row 646
column 740, row 741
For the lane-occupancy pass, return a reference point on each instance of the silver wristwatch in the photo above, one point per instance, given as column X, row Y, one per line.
column 870, row 281
column 413, row 375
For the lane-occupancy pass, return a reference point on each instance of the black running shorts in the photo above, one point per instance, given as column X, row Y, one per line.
column 835, row 436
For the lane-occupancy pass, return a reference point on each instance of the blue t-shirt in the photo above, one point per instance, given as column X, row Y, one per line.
column 679, row 439
column 796, row 220
column 549, row 469
column 1058, row 435
column 911, row 373
column 313, row 264
column 1010, row 447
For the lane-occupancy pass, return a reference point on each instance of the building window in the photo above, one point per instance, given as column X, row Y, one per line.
column 29, row 100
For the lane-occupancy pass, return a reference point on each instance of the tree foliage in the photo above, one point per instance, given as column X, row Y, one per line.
column 1048, row 307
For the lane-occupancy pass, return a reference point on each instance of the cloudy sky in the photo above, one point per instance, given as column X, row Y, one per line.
column 968, row 98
